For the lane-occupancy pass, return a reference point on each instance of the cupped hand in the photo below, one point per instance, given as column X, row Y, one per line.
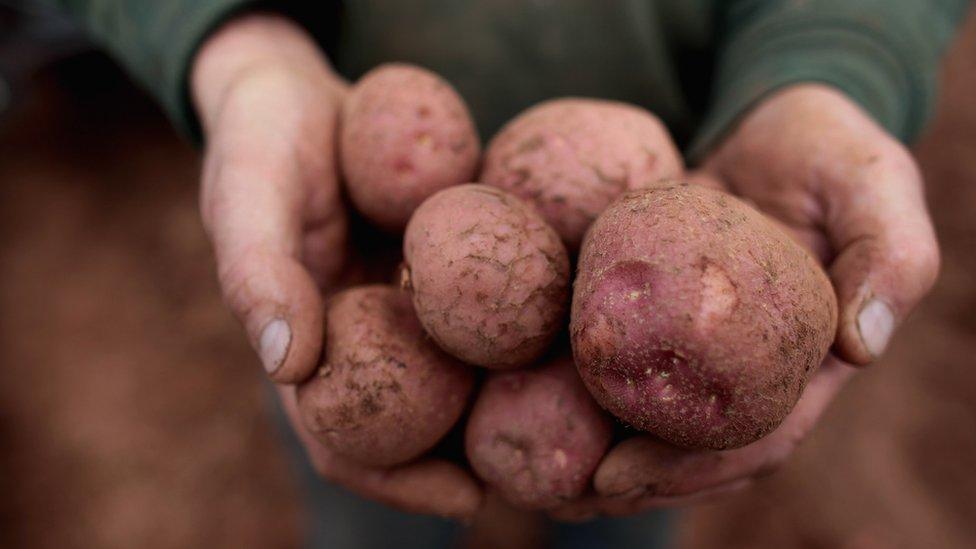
column 813, row 160
column 271, row 203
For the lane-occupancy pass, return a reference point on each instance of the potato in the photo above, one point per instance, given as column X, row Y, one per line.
column 405, row 134
column 571, row 157
column 489, row 277
column 696, row 318
column 536, row 435
column 384, row 393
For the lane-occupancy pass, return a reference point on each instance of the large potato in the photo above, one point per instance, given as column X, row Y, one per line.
column 571, row 157
column 489, row 278
column 696, row 318
column 405, row 134
column 384, row 393
column 536, row 435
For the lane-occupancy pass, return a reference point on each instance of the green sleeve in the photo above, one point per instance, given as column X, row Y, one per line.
column 884, row 54
column 155, row 41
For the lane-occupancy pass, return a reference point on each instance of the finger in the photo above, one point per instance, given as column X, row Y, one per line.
column 590, row 507
column 253, row 204
column 888, row 257
column 616, row 507
column 643, row 467
column 428, row 486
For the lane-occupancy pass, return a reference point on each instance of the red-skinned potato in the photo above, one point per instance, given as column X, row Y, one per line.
column 696, row 318
column 490, row 279
column 571, row 157
column 536, row 435
column 405, row 134
column 384, row 393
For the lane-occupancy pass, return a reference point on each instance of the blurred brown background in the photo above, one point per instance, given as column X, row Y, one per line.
column 132, row 412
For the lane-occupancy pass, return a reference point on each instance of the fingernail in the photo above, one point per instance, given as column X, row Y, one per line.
column 273, row 347
column 875, row 323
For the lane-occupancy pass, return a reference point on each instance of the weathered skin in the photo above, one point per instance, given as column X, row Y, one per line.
column 384, row 393
column 405, row 134
column 536, row 435
column 697, row 319
column 490, row 279
column 571, row 157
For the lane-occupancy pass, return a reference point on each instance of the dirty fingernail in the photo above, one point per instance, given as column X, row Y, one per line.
column 875, row 323
column 273, row 347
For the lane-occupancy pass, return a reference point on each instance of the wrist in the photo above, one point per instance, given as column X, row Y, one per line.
column 252, row 43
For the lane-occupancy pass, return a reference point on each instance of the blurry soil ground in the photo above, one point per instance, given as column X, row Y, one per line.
column 132, row 412
column 131, row 408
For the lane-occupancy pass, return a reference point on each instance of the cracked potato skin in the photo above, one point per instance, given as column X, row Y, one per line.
column 384, row 394
column 490, row 279
column 571, row 157
column 697, row 319
column 405, row 134
column 536, row 435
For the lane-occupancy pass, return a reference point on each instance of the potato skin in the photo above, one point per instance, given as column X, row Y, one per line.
column 536, row 435
column 384, row 393
column 697, row 319
column 490, row 279
column 571, row 157
column 404, row 135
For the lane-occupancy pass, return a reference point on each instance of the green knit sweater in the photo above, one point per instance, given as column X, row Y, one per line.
column 698, row 64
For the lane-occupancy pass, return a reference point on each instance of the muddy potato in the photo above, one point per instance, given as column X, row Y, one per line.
column 571, row 157
column 536, row 435
column 490, row 280
column 405, row 134
column 695, row 318
column 384, row 393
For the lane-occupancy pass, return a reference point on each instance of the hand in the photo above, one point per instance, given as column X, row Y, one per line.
column 813, row 160
column 271, row 203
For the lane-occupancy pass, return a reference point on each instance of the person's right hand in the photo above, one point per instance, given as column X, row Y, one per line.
column 271, row 203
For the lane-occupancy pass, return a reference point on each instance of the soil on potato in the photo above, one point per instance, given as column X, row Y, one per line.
column 132, row 411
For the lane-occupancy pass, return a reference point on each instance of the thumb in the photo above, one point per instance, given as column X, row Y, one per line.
column 252, row 206
column 270, row 200
column 887, row 254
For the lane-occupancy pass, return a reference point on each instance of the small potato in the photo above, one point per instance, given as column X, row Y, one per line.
column 697, row 319
column 490, row 279
column 536, row 435
column 571, row 157
column 384, row 393
column 405, row 134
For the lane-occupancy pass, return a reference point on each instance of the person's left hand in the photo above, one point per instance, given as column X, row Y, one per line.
column 813, row 160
